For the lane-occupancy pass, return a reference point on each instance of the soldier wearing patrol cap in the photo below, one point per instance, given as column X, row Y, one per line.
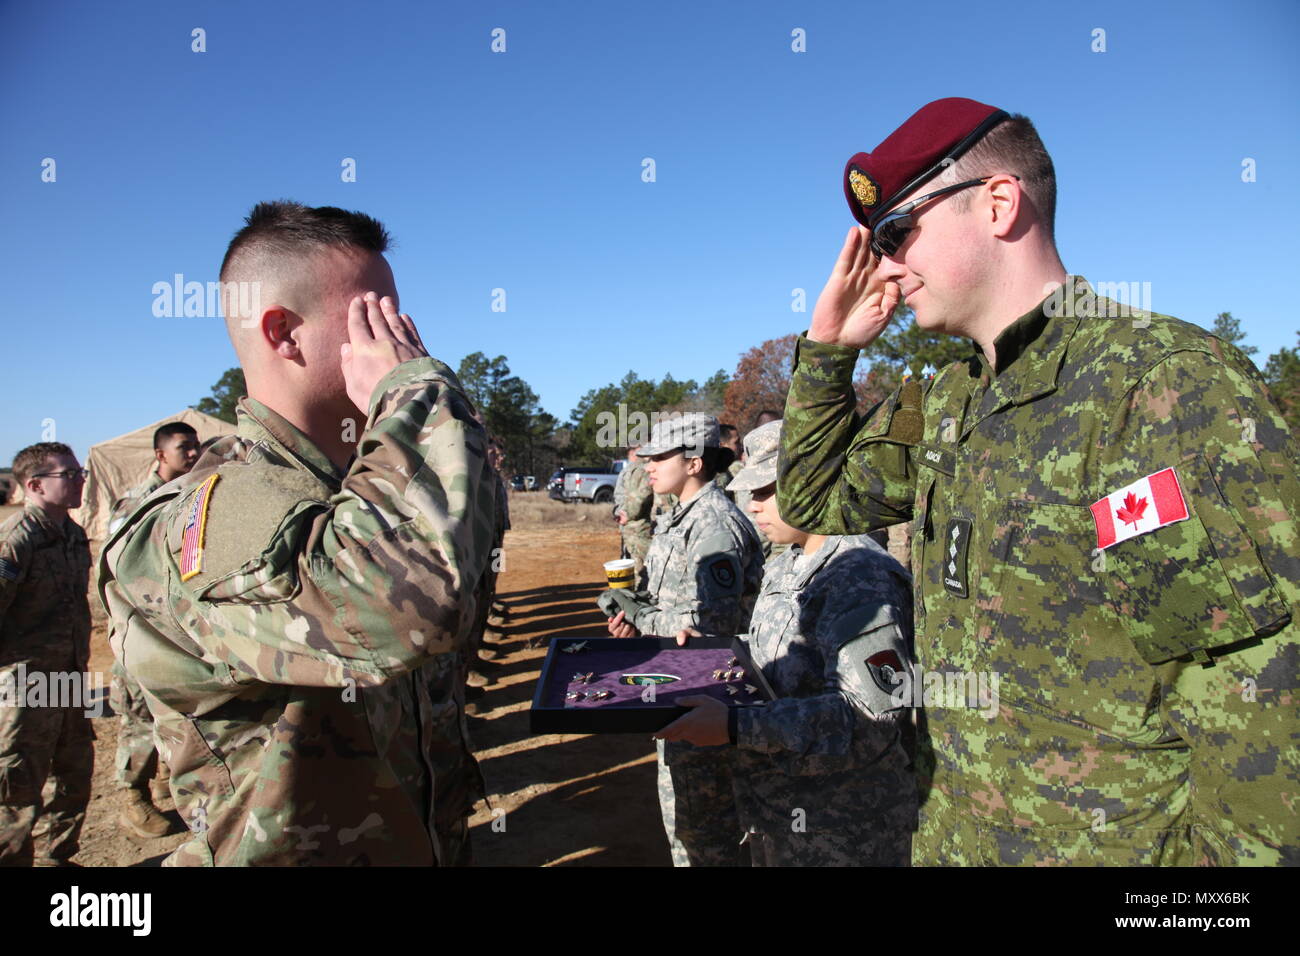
column 823, row 774
column 1104, row 511
column 284, row 604
column 702, row 571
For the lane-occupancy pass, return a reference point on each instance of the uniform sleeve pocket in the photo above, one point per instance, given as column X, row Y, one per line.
column 1195, row 584
column 257, row 582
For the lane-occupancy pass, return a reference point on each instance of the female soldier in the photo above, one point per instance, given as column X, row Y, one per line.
column 823, row 775
column 703, row 570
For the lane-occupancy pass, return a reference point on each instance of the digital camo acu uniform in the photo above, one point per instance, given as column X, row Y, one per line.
column 703, row 571
column 46, row 751
column 638, row 505
column 824, row 774
column 1148, row 706
column 137, row 758
column 289, row 677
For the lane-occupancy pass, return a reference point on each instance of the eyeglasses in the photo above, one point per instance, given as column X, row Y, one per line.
column 889, row 234
column 69, row 475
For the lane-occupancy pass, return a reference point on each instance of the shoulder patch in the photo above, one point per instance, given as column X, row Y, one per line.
column 196, row 520
column 723, row 573
column 239, row 517
column 8, row 570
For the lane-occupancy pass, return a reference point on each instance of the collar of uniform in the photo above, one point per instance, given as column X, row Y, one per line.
column 1031, row 349
column 44, row 520
column 258, row 423
column 679, row 512
column 806, row 565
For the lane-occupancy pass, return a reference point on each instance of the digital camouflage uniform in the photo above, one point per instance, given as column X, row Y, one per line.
column 824, row 774
column 137, row 758
column 702, row 571
column 638, row 504
column 1147, row 692
column 46, row 752
column 289, row 678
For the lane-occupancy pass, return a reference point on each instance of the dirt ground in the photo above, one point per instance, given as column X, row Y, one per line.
column 568, row 800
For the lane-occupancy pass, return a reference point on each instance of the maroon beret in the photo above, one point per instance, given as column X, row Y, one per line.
column 933, row 137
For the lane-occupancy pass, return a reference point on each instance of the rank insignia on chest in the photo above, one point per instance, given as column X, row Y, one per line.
column 191, row 560
column 952, row 556
column 1147, row 504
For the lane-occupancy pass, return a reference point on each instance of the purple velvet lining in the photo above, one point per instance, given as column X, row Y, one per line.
column 694, row 667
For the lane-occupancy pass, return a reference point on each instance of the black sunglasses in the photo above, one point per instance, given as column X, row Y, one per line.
column 891, row 231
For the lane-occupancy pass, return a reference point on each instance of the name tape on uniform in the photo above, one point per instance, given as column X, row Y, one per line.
column 1147, row 504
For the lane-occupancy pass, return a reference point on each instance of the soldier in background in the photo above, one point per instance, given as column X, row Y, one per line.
column 315, row 565
column 636, row 513
column 1105, row 504
column 823, row 774
column 702, row 571
column 46, row 745
column 729, row 437
column 176, row 449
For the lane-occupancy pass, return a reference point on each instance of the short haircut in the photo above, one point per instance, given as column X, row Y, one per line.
column 285, row 227
column 727, row 431
column 1013, row 146
column 767, row 413
column 31, row 459
column 163, row 432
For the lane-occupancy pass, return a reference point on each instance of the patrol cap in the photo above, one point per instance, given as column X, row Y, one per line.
column 762, row 446
column 691, row 432
column 933, row 137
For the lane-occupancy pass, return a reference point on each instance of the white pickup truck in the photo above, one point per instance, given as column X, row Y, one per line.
column 589, row 484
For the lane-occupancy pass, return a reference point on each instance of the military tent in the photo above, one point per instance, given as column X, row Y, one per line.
column 119, row 464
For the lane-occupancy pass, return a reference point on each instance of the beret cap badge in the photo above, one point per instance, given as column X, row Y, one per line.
column 863, row 188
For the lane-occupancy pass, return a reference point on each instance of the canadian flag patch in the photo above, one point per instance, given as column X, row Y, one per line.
column 1149, row 503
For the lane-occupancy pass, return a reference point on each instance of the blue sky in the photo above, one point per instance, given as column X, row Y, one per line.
column 522, row 170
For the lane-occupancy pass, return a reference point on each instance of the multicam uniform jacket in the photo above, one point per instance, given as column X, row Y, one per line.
column 824, row 774
column 1147, row 688
column 286, row 671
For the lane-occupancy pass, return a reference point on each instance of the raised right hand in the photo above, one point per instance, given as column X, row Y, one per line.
column 854, row 306
column 379, row 340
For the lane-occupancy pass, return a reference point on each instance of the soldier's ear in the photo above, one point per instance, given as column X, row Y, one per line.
column 279, row 331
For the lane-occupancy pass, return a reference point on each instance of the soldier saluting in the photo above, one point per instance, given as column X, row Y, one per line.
column 1104, row 508
column 281, row 604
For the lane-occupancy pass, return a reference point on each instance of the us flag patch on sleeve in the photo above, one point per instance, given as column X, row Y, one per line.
column 1147, row 504
column 191, row 562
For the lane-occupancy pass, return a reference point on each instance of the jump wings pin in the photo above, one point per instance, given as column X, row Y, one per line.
column 732, row 690
column 573, row 648
column 751, row 689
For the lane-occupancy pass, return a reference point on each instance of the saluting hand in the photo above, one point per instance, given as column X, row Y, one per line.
column 379, row 339
column 855, row 305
